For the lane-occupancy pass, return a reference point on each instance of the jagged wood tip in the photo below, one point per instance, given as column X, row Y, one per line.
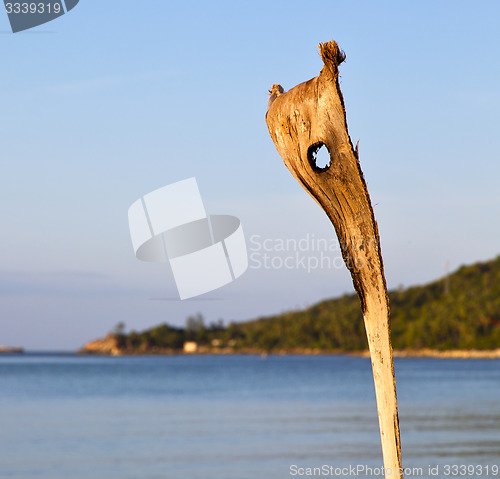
column 331, row 55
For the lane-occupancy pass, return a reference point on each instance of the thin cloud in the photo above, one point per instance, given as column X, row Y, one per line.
column 60, row 283
column 107, row 82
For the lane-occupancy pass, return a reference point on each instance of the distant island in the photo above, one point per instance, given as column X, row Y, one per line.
column 11, row 349
column 455, row 316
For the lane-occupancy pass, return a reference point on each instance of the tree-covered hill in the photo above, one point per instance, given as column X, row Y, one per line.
column 461, row 311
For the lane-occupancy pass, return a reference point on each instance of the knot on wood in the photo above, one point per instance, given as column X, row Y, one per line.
column 312, row 157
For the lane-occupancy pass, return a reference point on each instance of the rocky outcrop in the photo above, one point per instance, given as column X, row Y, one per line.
column 107, row 345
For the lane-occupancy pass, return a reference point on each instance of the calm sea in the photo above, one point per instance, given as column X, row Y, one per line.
column 240, row 417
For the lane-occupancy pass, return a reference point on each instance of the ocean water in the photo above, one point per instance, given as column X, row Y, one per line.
column 240, row 417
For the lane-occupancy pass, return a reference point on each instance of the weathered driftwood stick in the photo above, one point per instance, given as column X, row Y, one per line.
column 301, row 121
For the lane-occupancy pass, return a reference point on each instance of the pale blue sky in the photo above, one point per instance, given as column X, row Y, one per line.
column 118, row 98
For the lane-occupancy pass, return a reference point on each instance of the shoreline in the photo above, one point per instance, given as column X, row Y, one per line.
column 109, row 346
column 401, row 353
column 449, row 354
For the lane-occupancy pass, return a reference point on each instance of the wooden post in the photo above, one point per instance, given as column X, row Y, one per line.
column 308, row 117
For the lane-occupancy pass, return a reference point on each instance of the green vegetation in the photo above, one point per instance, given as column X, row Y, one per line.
column 460, row 312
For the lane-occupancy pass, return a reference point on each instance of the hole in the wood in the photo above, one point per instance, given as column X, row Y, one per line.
column 319, row 157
